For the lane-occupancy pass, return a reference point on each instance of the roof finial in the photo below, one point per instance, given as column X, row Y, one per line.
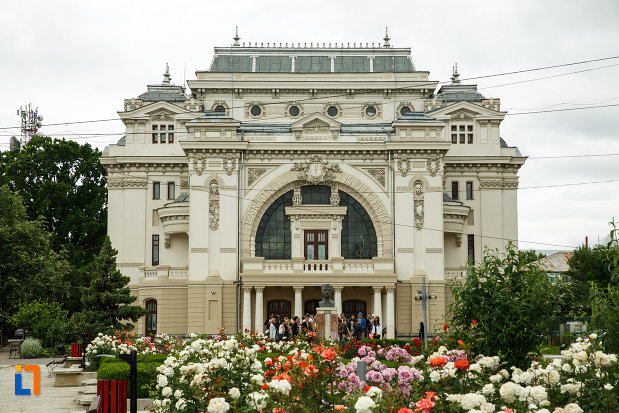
column 455, row 77
column 236, row 37
column 386, row 38
column 166, row 75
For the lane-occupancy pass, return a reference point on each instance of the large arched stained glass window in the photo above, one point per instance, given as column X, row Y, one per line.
column 273, row 234
column 273, row 237
column 358, row 233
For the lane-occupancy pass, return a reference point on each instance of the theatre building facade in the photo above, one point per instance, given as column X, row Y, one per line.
column 285, row 167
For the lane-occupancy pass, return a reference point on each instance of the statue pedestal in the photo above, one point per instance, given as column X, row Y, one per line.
column 326, row 323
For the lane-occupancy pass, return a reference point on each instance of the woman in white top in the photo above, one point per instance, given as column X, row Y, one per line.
column 272, row 329
column 377, row 327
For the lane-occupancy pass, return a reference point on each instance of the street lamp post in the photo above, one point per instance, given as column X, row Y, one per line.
column 423, row 296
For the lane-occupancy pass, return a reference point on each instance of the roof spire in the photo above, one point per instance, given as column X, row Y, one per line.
column 386, row 38
column 455, row 77
column 166, row 75
column 236, row 37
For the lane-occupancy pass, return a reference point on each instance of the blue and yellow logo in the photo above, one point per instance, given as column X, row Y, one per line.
column 19, row 390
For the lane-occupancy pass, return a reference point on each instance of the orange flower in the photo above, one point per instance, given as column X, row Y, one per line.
column 474, row 323
column 462, row 364
column 311, row 370
column 439, row 361
column 310, row 357
column 424, row 405
column 461, row 342
column 302, row 364
column 431, row 395
column 328, row 354
column 405, row 410
column 339, row 408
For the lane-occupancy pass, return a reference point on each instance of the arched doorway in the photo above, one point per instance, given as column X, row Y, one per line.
column 151, row 318
column 310, row 307
column 280, row 308
column 350, row 307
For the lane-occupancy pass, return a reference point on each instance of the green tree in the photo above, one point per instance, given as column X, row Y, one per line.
column 107, row 300
column 507, row 301
column 29, row 268
column 63, row 182
column 588, row 266
column 46, row 321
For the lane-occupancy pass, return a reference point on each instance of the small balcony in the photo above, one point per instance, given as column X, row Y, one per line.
column 163, row 272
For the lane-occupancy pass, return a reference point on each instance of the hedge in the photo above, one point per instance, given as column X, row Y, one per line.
column 112, row 368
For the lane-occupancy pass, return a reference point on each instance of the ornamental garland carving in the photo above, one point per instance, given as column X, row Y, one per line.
column 229, row 163
column 433, row 164
column 213, row 205
column 198, row 162
column 418, row 205
column 126, row 183
column 316, row 170
column 253, row 174
column 403, row 166
column 378, row 174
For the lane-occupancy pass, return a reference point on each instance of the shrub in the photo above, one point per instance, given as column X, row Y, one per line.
column 114, row 369
column 503, row 307
column 47, row 321
column 30, row 349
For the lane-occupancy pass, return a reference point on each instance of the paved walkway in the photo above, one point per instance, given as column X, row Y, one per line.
column 50, row 399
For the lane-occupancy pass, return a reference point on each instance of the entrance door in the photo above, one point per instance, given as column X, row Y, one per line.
column 310, row 307
column 351, row 307
column 151, row 318
column 279, row 308
column 316, row 245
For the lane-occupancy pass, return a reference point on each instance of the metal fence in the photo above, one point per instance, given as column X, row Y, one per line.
column 564, row 329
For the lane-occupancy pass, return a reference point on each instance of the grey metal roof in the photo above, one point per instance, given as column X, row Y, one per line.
column 459, row 93
column 447, row 198
column 416, row 117
column 184, row 197
column 212, row 117
column 504, row 144
column 264, row 128
column 366, row 128
column 315, row 63
column 121, row 141
column 166, row 93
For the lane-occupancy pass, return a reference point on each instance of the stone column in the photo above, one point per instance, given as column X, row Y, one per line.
column 378, row 307
column 246, row 310
column 338, row 299
column 298, row 301
column 390, row 316
column 258, row 317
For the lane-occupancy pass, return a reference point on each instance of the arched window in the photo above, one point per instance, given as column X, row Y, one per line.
column 358, row 233
column 279, row 308
column 350, row 307
column 151, row 318
column 273, row 234
column 273, row 237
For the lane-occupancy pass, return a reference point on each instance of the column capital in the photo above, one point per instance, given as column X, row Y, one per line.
column 377, row 290
column 338, row 288
column 247, row 289
column 298, row 289
column 259, row 288
column 390, row 289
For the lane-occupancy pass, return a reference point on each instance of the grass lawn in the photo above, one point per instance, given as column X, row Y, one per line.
column 550, row 350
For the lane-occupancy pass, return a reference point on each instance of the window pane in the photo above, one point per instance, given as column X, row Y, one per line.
column 154, row 138
column 156, row 188
column 358, row 238
column 155, row 127
column 454, row 138
column 162, row 137
column 461, row 128
column 274, row 227
column 170, row 127
column 310, row 251
column 469, row 128
column 462, row 138
column 470, row 137
column 322, row 252
column 170, row 137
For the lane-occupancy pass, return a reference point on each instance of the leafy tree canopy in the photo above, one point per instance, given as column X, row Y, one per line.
column 107, row 300
column 63, row 182
column 503, row 306
column 29, row 268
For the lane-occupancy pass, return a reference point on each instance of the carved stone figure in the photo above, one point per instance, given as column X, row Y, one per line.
column 213, row 205
column 418, row 204
column 327, row 293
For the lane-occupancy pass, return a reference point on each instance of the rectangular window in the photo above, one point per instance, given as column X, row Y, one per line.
column 162, row 138
column 154, row 138
column 171, row 190
column 462, row 138
column 155, row 249
column 469, row 190
column 170, row 127
column 155, row 127
column 316, row 245
column 471, row 247
column 454, row 190
column 470, row 138
column 170, row 138
column 156, row 190
column 454, row 138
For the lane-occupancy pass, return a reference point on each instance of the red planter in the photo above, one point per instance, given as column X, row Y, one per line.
column 77, row 350
column 113, row 394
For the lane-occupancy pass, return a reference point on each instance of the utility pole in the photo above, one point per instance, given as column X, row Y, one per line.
column 30, row 122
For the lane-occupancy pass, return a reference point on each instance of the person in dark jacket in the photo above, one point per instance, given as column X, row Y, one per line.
column 294, row 327
column 358, row 330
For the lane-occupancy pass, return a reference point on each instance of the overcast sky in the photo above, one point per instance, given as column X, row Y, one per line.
column 78, row 60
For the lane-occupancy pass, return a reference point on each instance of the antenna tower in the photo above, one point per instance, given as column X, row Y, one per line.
column 30, row 122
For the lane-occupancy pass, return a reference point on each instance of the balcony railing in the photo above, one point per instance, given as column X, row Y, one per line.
column 172, row 273
column 337, row 265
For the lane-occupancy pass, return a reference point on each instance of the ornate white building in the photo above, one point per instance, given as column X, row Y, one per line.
column 285, row 167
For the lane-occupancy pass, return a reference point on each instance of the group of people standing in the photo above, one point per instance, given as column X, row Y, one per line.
column 284, row 329
column 358, row 328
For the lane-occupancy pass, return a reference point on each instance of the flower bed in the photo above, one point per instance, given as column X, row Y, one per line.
column 251, row 373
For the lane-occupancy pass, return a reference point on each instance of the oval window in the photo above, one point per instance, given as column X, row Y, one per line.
column 404, row 110
column 370, row 111
column 256, row 110
column 332, row 111
column 220, row 108
column 294, row 111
